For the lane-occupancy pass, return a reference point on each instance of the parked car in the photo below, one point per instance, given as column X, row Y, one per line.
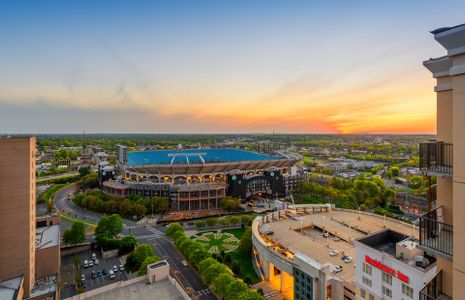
column 112, row 274
column 91, row 263
column 333, row 252
column 337, row 239
column 346, row 259
column 184, row 263
column 93, row 274
column 121, row 268
column 325, row 234
column 99, row 273
column 104, row 272
column 83, row 277
column 115, row 269
column 94, row 256
column 86, row 263
column 337, row 269
column 96, row 262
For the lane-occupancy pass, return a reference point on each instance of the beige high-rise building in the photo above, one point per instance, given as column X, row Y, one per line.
column 442, row 230
column 17, row 210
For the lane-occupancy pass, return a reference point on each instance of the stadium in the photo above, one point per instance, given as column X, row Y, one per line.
column 195, row 179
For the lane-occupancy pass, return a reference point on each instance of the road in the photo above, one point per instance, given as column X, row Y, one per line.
column 186, row 275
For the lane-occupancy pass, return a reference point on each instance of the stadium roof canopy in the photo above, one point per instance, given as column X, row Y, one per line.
column 195, row 156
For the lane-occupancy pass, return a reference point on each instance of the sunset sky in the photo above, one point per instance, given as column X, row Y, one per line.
column 220, row 66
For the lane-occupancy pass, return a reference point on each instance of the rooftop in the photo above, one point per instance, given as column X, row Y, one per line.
column 158, row 264
column 400, row 246
column 444, row 29
column 160, row 290
column 303, row 233
column 195, row 156
column 47, row 236
column 384, row 241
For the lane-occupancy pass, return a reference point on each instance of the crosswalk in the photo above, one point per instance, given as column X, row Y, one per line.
column 148, row 236
column 203, row 292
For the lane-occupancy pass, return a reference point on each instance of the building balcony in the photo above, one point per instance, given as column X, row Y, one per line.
column 436, row 158
column 436, row 236
column 433, row 290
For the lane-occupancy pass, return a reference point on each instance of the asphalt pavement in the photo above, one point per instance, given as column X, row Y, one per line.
column 163, row 246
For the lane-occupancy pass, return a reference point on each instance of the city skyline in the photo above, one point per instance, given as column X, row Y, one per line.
column 207, row 67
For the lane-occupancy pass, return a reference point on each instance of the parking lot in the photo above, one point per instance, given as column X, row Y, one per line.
column 90, row 283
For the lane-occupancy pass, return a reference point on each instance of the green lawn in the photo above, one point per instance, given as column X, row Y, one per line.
column 218, row 242
column 246, row 267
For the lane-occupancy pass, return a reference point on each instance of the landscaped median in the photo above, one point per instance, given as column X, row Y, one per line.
column 215, row 274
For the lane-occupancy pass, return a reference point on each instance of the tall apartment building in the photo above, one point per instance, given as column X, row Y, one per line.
column 17, row 210
column 445, row 158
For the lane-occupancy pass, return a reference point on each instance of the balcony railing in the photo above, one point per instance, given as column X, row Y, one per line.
column 433, row 290
column 436, row 158
column 436, row 235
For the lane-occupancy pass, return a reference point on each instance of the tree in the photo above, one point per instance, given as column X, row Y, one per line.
column 174, row 227
column 108, row 228
column 75, row 235
column 204, row 264
column 138, row 256
column 88, row 181
column 245, row 244
column 198, row 255
column 83, row 171
column 229, row 203
column 236, row 288
column 222, row 282
column 159, row 204
column 147, row 261
column 395, row 171
column 213, row 271
column 127, row 244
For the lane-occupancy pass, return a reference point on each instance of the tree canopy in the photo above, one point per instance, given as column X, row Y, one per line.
column 75, row 235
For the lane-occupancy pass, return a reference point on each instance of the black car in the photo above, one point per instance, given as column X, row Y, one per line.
column 93, row 274
column 104, row 272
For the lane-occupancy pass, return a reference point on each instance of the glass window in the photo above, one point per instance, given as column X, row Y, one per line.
column 387, row 291
column 371, row 297
column 387, row 278
column 367, row 268
column 406, row 290
column 366, row 281
column 362, row 293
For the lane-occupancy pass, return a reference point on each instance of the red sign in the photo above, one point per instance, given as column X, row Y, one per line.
column 386, row 269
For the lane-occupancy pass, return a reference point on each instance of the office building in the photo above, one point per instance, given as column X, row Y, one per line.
column 388, row 265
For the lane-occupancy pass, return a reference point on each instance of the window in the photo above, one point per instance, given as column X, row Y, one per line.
column 366, row 281
column 362, row 293
column 387, row 291
column 387, row 278
column 406, row 290
column 367, row 268
column 371, row 297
